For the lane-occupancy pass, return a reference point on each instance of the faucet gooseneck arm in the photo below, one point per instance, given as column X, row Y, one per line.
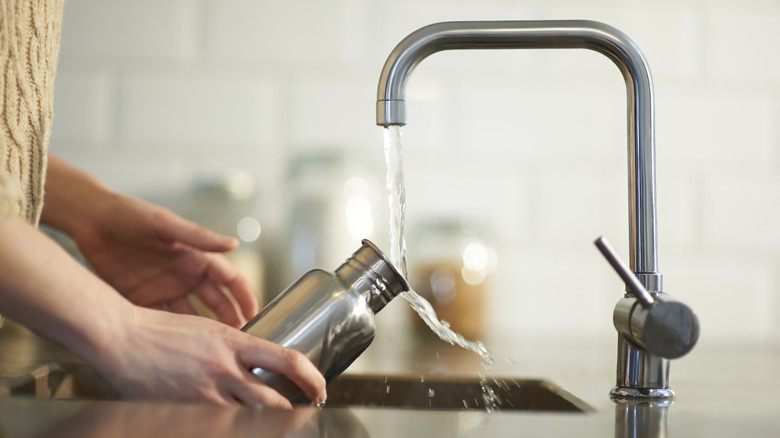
column 569, row 34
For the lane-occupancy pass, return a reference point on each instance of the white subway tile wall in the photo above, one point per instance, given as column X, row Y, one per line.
column 151, row 94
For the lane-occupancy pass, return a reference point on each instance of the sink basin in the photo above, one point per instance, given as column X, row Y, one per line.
column 402, row 392
column 451, row 393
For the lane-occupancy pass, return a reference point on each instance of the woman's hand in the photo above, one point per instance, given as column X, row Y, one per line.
column 181, row 357
column 157, row 259
column 150, row 255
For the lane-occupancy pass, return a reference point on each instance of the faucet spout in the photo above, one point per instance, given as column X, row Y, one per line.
column 566, row 34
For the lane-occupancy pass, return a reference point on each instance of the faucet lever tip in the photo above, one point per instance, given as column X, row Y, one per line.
column 632, row 283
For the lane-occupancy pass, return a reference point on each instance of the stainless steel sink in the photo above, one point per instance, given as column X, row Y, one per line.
column 402, row 392
column 451, row 393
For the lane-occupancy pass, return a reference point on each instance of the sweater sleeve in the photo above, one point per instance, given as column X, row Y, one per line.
column 9, row 196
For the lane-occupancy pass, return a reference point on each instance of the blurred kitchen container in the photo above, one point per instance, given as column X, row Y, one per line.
column 226, row 202
column 451, row 264
column 336, row 199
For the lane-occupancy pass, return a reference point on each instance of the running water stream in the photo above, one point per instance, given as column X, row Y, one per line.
column 397, row 201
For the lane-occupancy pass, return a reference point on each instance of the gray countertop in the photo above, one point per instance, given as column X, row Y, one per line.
column 721, row 392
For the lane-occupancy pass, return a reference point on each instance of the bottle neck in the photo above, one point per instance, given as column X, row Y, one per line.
column 370, row 274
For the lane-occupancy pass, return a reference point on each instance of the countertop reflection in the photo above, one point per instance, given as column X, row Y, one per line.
column 721, row 392
column 23, row 417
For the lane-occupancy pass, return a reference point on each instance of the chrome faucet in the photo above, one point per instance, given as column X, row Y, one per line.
column 643, row 369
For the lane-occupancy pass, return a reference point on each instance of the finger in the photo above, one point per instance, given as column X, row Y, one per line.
column 182, row 305
column 222, row 305
column 252, row 391
column 225, row 274
column 174, row 278
column 154, row 295
column 293, row 364
column 174, row 228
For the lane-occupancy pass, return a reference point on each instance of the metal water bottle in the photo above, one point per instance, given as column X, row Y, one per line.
column 328, row 316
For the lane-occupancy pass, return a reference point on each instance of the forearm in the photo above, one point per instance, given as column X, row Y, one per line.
column 43, row 288
column 72, row 197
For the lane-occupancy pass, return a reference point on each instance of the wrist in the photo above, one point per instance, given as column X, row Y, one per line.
column 100, row 341
column 74, row 199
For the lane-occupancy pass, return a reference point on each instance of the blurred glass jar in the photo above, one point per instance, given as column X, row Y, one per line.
column 334, row 204
column 452, row 269
column 226, row 203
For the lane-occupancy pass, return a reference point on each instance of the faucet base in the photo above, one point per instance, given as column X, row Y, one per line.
column 640, row 374
column 624, row 393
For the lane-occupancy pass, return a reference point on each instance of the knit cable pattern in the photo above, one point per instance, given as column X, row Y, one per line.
column 29, row 45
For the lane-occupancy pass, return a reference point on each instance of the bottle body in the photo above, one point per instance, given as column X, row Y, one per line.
column 328, row 316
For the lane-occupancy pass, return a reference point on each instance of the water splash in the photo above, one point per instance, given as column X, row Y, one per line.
column 443, row 330
column 489, row 397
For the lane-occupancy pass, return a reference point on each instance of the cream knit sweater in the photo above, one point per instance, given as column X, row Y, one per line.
column 29, row 45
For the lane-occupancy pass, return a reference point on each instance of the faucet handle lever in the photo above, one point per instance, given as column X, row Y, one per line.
column 632, row 283
column 658, row 324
